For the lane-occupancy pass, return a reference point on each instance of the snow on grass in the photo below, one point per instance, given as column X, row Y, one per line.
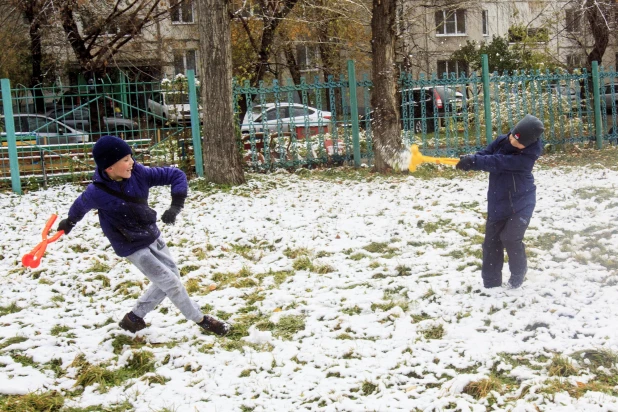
column 347, row 292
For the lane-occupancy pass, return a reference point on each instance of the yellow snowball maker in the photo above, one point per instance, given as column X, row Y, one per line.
column 416, row 158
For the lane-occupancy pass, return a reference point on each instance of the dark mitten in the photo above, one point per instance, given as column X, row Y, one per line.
column 66, row 225
column 465, row 163
column 169, row 216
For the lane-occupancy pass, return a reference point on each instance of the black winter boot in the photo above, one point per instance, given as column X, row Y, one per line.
column 210, row 324
column 132, row 323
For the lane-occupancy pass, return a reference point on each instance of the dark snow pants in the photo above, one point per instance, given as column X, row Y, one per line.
column 499, row 235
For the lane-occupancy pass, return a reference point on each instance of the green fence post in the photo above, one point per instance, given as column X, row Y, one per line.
column 124, row 95
column 10, row 135
column 598, row 125
column 487, row 99
column 195, row 124
column 354, row 113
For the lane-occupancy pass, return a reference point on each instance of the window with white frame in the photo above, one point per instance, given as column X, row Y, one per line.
column 182, row 12
column 185, row 60
column 450, row 22
column 576, row 61
column 452, row 66
column 485, row 22
column 307, row 57
column 572, row 23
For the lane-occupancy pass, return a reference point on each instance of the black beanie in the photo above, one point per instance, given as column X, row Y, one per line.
column 528, row 130
column 108, row 150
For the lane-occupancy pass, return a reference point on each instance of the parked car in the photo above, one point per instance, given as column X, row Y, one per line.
column 75, row 97
column 80, row 119
column 285, row 114
column 48, row 131
column 437, row 101
column 171, row 106
column 609, row 93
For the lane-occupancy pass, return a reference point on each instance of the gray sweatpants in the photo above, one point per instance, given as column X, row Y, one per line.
column 157, row 264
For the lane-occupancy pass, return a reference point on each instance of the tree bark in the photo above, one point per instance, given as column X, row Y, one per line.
column 32, row 12
column 222, row 159
column 598, row 17
column 386, row 125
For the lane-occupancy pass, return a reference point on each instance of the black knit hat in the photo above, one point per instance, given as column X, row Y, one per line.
column 528, row 130
column 108, row 150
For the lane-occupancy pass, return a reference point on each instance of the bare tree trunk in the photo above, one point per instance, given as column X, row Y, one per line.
column 386, row 125
column 222, row 161
column 598, row 16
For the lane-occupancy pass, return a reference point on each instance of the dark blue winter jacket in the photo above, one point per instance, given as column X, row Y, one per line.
column 129, row 226
column 511, row 184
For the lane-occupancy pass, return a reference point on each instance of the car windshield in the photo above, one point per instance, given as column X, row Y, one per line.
column 177, row 98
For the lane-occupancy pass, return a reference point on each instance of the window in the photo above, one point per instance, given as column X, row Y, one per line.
column 450, row 22
column 485, row 23
column 182, row 12
column 185, row 60
column 307, row 57
column 576, row 61
column 572, row 21
column 452, row 66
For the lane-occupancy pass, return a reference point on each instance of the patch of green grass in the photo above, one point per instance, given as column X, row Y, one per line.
column 416, row 318
column 303, row 263
column 482, row 388
column 103, row 279
column 124, row 288
column 58, row 329
column 239, row 279
column 357, row 256
column 433, row 332
column 355, row 310
column 32, row 402
column 296, row 253
column 121, row 341
column 57, row 298
column 389, row 305
column 11, row 308
column 11, row 341
column 323, row 269
column 155, row 379
column 597, row 357
column 99, row 266
column 188, row 269
column 402, row 270
column 367, row 388
column 562, row 367
column 376, row 247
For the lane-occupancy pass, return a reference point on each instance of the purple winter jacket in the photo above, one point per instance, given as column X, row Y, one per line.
column 129, row 226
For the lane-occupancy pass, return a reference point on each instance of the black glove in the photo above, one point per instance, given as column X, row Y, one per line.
column 169, row 216
column 465, row 163
column 66, row 225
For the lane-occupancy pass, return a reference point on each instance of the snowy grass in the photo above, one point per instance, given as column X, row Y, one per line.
column 347, row 291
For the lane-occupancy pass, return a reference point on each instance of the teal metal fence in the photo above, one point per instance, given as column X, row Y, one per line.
column 47, row 133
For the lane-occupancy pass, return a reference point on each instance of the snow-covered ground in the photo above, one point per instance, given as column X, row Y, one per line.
column 345, row 294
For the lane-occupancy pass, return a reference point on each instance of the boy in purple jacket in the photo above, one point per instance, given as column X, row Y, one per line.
column 119, row 192
column 511, row 198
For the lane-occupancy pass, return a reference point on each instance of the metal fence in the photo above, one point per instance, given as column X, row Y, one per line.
column 48, row 133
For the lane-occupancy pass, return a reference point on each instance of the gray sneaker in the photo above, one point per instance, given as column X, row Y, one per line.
column 210, row 324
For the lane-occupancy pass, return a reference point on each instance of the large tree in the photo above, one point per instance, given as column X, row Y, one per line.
column 222, row 160
column 386, row 124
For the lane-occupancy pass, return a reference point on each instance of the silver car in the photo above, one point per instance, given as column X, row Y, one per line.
column 48, row 131
column 80, row 119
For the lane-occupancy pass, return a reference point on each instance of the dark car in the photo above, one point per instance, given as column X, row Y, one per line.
column 81, row 119
column 427, row 105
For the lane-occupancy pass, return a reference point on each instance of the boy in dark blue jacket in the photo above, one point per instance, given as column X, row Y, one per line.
column 119, row 192
column 511, row 198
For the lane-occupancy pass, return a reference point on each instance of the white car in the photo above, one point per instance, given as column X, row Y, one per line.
column 172, row 107
column 284, row 114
